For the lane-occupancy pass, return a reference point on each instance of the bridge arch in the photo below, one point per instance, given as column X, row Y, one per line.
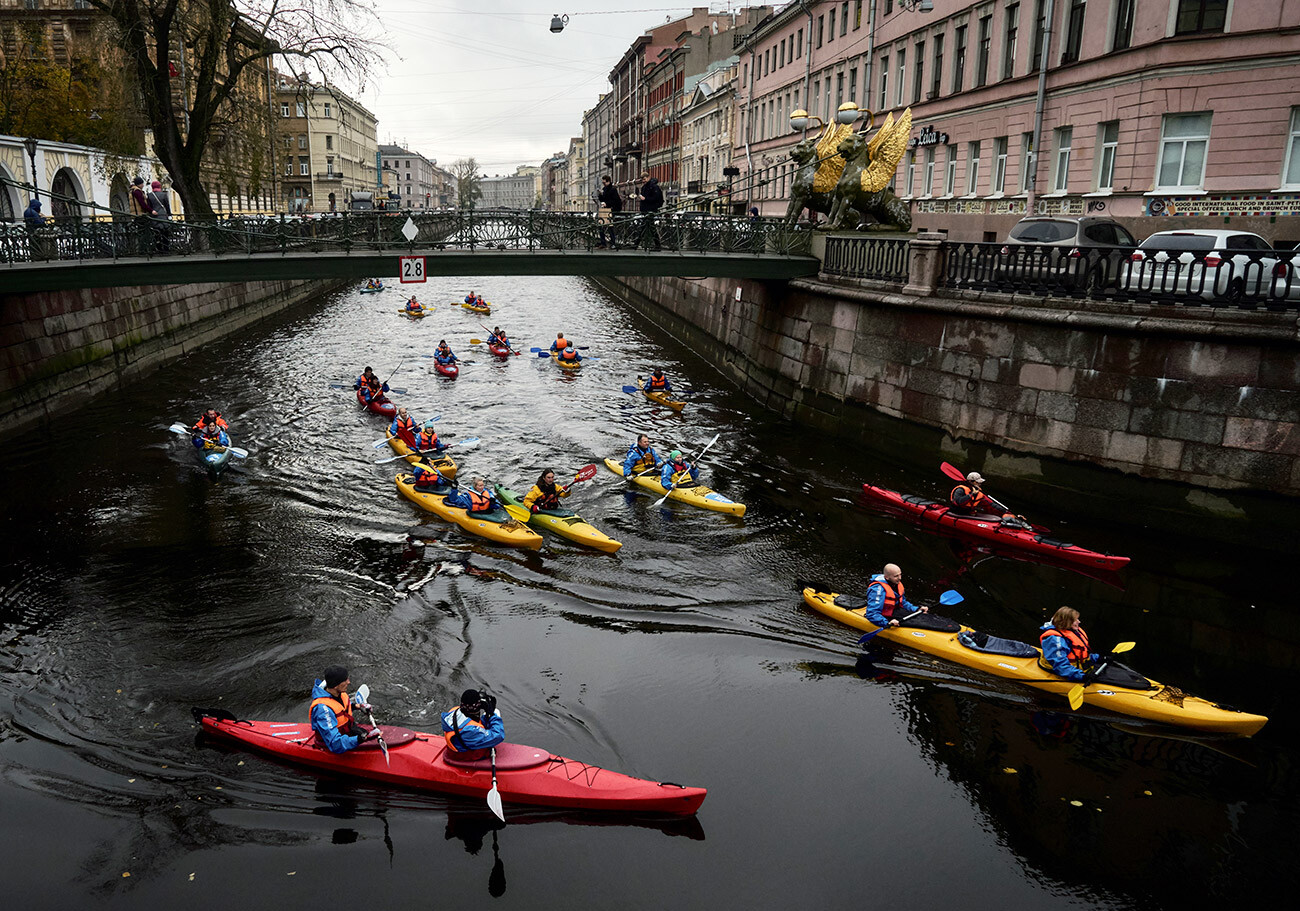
column 66, row 186
column 119, row 194
column 11, row 204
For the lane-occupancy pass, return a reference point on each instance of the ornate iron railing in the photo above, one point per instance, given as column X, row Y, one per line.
column 885, row 259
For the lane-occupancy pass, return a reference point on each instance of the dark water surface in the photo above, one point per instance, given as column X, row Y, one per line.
column 133, row 587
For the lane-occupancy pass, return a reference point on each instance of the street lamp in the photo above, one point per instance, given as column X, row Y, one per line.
column 30, row 145
column 848, row 113
column 922, row 6
column 558, row 23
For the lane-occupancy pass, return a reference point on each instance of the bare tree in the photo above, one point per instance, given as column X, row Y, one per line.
column 468, row 182
column 214, row 50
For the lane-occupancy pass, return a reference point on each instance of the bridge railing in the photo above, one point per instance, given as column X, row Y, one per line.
column 884, row 259
column 78, row 239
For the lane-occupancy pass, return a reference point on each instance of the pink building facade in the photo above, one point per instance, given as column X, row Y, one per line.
column 1159, row 113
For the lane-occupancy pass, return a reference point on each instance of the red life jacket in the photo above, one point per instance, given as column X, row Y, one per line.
column 406, row 430
column 1079, row 653
column 426, row 440
column 203, row 422
column 450, row 735
column 426, row 477
column 342, row 710
column 546, row 500
column 479, row 502
column 893, row 598
column 658, row 382
column 975, row 499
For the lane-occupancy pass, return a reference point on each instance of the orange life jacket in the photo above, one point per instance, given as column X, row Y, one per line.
column 342, row 710
column 479, row 502
column 658, row 382
column 560, row 344
column 1079, row 651
column 568, row 356
column 448, row 735
column 975, row 501
column 425, row 440
column 427, row 477
column 893, row 597
column 373, row 384
column 220, row 422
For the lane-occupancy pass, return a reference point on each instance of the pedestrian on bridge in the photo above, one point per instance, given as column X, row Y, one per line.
column 162, row 215
column 652, row 200
column 610, row 199
column 143, row 212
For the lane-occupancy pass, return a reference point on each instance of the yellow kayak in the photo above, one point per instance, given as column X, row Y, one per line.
column 571, row 366
column 661, row 398
column 495, row 526
column 699, row 495
column 484, row 310
column 564, row 523
column 443, row 463
column 414, row 314
column 1162, row 703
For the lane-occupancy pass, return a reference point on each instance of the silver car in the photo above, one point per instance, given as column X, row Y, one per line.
column 1211, row 264
column 1075, row 251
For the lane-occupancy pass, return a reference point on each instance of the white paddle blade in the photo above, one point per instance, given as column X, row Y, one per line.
column 494, row 803
column 179, row 428
column 362, row 694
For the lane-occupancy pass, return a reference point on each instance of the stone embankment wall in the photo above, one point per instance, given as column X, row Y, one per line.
column 1207, row 397
column 58, row 349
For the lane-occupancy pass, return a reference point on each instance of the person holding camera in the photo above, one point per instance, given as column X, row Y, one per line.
column 473, row 727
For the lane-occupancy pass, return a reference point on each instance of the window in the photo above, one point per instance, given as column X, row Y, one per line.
column 1039, row 25
column 782, row 55
column 911, row 172
column 304, row 167
column 937, row 67
column 1123, row 24
column 1195, row 16
column 328, row 109
column 844, row 18
column 1028, row 162
column 884, row 82
column 1064, row 137
column 839, row 90
column 973, row 169
column 959, row 59
column 408, row 164
column 929, row 171
column 857, row 15
column 288, row 167
column 284, row 109
column 744, row 79
column 329, row 142
column 901, row 79
column 816, row 93
column 986, row 45
column 1291, row 164
column 999, row 165
column 798, row 44
column 302, row 109
column 1184, row 140
column 831, row 36
column 950, row 178
column 329, row 164
column 1009, row 41
column 853, row 84
column 918, row 72
column 1108, row 143
column 829, row 112
column 1073, row 30
column 821, row 29
column 302, row 142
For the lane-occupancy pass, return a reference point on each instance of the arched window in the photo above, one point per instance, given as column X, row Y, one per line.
column 66, row 190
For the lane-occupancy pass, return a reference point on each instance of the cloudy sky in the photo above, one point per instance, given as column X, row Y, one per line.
column 487, row 78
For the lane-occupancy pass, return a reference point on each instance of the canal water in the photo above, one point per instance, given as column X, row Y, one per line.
column 133, row 587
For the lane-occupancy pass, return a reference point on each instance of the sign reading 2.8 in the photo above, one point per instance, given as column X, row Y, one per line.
column 411, row 269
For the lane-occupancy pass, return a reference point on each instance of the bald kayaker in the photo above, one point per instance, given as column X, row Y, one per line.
column 474, row 726
column 427, row 439
column 657, row 382
column 331, row 712
column 371, row 388
column 1065, row 646
column 640, row 457
column 968, row 498
column 475, row 498
column 212, row 437
column 886, row 603
column 677, row 472
column 545, row 494
column 403, row 426
column 211, row 416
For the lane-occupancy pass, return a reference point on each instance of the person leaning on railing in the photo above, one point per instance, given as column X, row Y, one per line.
column 143, row 212
column 162, row 215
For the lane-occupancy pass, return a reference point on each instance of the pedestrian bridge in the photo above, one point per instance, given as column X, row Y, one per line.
column 119, row 252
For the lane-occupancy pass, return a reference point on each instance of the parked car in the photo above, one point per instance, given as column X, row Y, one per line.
column 1075, row 251
column 1212, row 264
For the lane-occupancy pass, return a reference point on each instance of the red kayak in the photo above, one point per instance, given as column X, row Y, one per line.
column 990, row 528
column 498, row 350
column 527, row 775
column 382, row 406
column 450, row 371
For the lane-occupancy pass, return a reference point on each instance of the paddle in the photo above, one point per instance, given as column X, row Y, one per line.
column 954, row 472
column 1075, row 694
column 660, row 501
column 494, row 796
column 426, row 451
column 947, row 599
column 362, row 697
column 185, row 431
column 522, row 514
column 508, row 345
column 380, row 444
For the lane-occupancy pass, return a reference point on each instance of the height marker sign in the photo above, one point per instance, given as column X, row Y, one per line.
column 411, row 269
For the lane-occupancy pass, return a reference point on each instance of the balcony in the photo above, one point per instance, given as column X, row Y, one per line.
column 329, row 175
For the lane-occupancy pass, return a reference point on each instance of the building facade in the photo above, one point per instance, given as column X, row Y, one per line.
column 598, row 147
column 576, row 198
column 706, row 145
column 444, row 187
column 329, row 147
column 413, row 178
column 1160, row 114
column 517, row 191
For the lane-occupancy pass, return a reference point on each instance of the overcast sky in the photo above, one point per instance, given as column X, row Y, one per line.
column 487, row 78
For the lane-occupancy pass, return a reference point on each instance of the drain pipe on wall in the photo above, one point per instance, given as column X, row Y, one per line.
column 1032, row 195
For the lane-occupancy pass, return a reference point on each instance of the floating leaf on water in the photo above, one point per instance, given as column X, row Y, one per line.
column 191, row 877
column 1147, row 793
column 1009, row 770
column 291, row 873
column 1076, row 803
column 125, row 874
column 132, row 781
column 949, row 743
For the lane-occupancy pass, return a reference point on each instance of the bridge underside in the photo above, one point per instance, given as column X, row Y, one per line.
column 125, row 272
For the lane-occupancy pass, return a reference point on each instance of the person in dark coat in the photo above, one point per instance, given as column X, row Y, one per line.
column 609, row 198
column 162, row 215
column 32, row 214
column 652, row 200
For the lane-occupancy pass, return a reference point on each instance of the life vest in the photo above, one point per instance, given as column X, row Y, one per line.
column 560, row 344
column 644, row 460
column 479, row 502
column 546, row 500
column 457, row 724
column 371, row 383
column 443, row 354
column 469, row 298
column 428, row 477
column 975, row 499
column 568, row 356
column 1079, row 652
column 893, row 598
column 203, row 422
column 426, row 440
column 342, row 710
column 658, row 382
column 414, row 306
column 406, row 430
column 682, row 474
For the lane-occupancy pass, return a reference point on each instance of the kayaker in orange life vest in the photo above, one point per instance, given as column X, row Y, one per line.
column 427, row 440
column 658, row 382
column 331, row 712
column 211, row 416
column 443, row 353
column 886, row 603
column 403, row 426
column 1065, row 646
column 471, row 298
column 968, row 498
column 570, row 355
column 428, row 477
column 414, row 306
column 498, row 338
column 560, row 343
column 371, row 388
column 475, row 498
column 545, row 495
column 474, row 726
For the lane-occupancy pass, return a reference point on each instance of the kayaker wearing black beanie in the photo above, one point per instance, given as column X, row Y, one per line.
column 331, row 712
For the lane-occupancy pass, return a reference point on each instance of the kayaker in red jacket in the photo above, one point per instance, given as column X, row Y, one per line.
column 968, row 498
column 886, row 604
column 211, row 416
column 1065, row 646
column 474, row 726
column 331, row 712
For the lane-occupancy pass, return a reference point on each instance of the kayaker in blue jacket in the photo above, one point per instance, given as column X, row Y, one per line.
column 498, row 338
column 212, row 437
column 403, row 426
column 560, row 343
column 677, row 472
column 570, row 355
column 331, row 712
column 443, row 353
column 427, row 439
column 428, row 477
column 475, row 498
column 657, row 382
column 1065, row 646
column 886, row 603
column 369, row 384
column 640, row 457
column 474, row 726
